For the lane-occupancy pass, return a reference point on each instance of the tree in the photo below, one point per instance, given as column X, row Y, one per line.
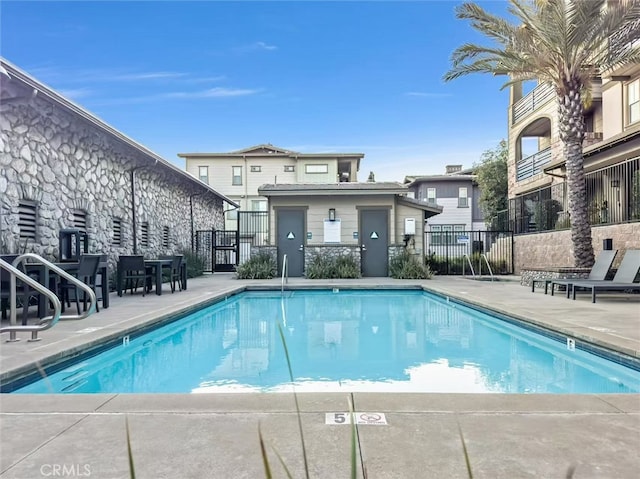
column 565, row 43
column 492, row 181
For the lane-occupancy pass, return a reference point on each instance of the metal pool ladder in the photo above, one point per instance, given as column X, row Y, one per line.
column 285, row 272
column 473, row 273
column 48, row 321
column 484, row 256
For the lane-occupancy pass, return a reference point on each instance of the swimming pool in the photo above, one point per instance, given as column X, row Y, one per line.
column 341, row 340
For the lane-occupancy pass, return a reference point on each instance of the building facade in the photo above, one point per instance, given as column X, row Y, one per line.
column 239, row 174
column 538, row 207
column 63, row 168
column 457, row 193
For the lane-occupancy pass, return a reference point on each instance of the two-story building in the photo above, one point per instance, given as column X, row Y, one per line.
column 239, row 174
column 460, row 229
column 537, row 173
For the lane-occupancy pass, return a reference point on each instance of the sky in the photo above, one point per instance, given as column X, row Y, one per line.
column 313, row 77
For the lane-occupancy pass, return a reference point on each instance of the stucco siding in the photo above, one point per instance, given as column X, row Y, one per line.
column 330, row 177
column 416, row 242
column 346, row 212
column 612, row 108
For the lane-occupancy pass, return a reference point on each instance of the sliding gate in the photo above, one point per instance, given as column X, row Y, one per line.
column 446, row 251
column 218, row 249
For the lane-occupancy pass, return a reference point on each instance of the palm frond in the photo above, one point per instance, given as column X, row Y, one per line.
column 565, row 42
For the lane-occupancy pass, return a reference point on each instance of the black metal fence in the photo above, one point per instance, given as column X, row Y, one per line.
column 613, row 196
column 253, row 230
column 449, row 252
column 218, row 249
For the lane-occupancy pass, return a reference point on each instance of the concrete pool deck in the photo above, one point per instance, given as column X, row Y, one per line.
column 184, row 436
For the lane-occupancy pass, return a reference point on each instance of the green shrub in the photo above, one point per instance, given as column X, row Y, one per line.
column 259, row 266
column 407, row 266
column 195, row 263
column 347, row 267
column 326, row 267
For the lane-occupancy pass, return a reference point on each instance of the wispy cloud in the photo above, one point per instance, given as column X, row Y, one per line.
column 213, row 79
column 145, row 76
column 76, row 93
column 424, row 94
column 257, row 46
column 218, row 92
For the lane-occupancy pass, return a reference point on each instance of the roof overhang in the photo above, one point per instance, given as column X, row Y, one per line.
column 333, row 189
column 415, row 180
column 429, row 209
column 617, row 148
column 15, row 74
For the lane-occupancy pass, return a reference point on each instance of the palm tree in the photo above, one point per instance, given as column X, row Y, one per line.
column 566, row 43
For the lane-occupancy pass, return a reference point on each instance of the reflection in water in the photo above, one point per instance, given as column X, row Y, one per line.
column 392, row 341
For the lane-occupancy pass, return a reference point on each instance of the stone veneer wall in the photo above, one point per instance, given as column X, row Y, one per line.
column 62, row 162
column 332, row 251
column 528, row 275
column 554, row 249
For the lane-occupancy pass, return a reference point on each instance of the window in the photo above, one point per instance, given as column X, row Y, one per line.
column 258, row 205
column 289, row 168
column 463, row 201
column 165, row 237
column 80, row 219
column 144, row 234
column 436, row 235
column 27, row 220
column 117, row 232
column 256, row 169
column 313, row 169
column 446, row 234
column 236, row 180
column 431, row 195
column 203, row 174
column 633, row 98
column 232, row 215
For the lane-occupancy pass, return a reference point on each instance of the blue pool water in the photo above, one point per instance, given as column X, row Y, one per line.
column 351, row 340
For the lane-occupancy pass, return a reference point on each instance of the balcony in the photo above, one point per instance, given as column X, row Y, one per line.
column 531, row 102
column 532, row 165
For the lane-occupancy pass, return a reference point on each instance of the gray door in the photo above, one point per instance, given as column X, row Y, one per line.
column 374, row 242
column 291, row 238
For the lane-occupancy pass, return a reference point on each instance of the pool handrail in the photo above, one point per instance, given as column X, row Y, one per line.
column 484, row 256
column 473, row 273
column 45, row 323
column 285, row 272
column 48, row 321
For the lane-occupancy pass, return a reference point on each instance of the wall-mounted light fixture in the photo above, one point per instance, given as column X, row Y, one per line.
column 615, row 183
column 332, row 214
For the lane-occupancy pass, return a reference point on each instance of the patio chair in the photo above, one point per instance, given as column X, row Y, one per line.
column 623, row 280
column 87, row 273
column 132, row 269
column 598, row 271
column 174, row 276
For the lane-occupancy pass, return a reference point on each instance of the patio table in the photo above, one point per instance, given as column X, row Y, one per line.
column 42, row 274
column 157, row 265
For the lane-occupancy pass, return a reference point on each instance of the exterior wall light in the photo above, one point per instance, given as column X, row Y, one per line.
column 332, row 214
